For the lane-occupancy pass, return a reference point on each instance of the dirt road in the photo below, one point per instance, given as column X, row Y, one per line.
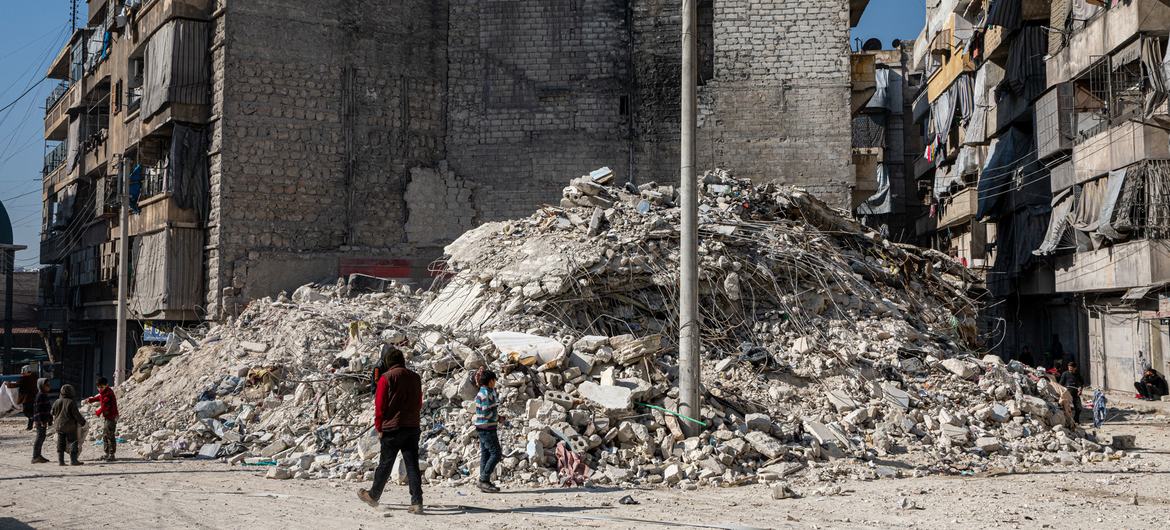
column 207, row 494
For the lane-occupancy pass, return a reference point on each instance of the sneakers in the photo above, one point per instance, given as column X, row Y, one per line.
column 487, row 487
column 39, row 460
column 365, row 497
column 415, row 509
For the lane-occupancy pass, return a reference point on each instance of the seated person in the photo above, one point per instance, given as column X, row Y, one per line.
column 1152, row 386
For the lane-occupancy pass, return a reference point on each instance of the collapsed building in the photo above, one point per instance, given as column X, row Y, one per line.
column 272, row 143
column 828, row 352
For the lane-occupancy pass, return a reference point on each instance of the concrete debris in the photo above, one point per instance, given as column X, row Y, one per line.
column 827, row 348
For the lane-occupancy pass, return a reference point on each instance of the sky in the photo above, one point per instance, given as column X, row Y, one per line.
column 891, row 19
column 31, row 33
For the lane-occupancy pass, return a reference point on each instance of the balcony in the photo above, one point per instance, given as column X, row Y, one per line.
column 1105, row 34
column 1124, row 266
column 1055, row 121
column 1118, row 147
column 942, row 79
column 57, row 116
column 158, row 12
column 96, row 152
column 1062, row 177
column 55, row 158
column 960, row 209
column 863, row 77
column 160, row 212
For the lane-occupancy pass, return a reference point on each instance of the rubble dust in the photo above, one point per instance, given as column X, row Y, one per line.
column 828, row 353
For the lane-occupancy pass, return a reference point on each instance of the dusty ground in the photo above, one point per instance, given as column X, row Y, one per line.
column 144, row 494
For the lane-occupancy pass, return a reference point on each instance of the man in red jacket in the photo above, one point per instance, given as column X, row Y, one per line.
column 397, row 411
column 107, row 410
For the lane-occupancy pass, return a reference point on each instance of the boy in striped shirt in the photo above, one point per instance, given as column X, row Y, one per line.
column 487, row 419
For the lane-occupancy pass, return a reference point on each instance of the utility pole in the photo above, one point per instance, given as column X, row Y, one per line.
column 123, row 271
column 688, row 328
column 8, row 267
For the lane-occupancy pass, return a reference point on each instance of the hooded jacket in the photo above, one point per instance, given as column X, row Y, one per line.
column 66, row 416
column 43, row 408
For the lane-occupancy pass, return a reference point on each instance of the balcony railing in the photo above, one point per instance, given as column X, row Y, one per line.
column 55, row 158
column 55, row 96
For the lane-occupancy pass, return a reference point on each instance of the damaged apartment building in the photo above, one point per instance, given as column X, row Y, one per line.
column 1046, row 171
column 270, row 143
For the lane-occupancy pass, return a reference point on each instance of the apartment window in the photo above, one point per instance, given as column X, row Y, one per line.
column 134, row 81
column 117, row 107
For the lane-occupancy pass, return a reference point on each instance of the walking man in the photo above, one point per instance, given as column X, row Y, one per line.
column 42, row 418
column 397, row 410
column 108, row 411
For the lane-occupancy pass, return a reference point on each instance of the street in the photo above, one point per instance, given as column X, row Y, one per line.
column 133, row 493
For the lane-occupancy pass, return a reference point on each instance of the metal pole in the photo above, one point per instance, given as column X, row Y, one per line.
column 688, row 340
column 123, row 272
column 9, row 269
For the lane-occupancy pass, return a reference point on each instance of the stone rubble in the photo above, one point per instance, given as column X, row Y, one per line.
column 826, row 350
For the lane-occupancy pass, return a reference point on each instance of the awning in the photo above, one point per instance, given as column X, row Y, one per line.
column 1137, row 293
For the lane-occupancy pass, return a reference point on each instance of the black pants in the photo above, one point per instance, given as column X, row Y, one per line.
column 27, row 409
column 67, row 443
column 39, row 442
column 403, row 441
column 1076, row 403
column 1147, row 390
column 489, row 453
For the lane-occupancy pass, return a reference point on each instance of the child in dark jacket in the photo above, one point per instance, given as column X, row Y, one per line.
column 42, row 417
column 67, row 421
column 487, row 420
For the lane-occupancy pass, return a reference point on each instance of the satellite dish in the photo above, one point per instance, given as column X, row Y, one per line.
column 897, row 43
column 872, row 45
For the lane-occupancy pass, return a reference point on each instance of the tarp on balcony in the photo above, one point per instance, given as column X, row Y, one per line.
column 1005, row 13
column 942, row 111
column 1087, row 212
column 888, row 95
column 1008, row 152
column 189, row 169
column 1058, row 224
column 1156, row 68
column 178, row 66
column 976, row 132
column 880, row 202
column 1025, row 75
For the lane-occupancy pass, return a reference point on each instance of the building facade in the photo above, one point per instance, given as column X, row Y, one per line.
column 269, row 143
column 1046, row 156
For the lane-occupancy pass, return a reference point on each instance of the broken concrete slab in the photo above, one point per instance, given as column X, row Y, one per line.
column 609, row 398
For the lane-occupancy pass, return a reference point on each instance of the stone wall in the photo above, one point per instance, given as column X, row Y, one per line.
column 324, row 107
column 539, row 92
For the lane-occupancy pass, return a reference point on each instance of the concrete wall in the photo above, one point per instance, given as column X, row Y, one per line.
column 325, row 106
column 778, row 105
column 535, row 97
column 24, row 296
column 338, row 124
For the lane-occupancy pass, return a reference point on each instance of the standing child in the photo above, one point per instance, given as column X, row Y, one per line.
column 108, row 411
column 67, row 420
column 487, row 420
column 42, row 417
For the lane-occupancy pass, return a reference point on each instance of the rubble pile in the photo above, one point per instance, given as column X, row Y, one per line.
column 828, row 352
